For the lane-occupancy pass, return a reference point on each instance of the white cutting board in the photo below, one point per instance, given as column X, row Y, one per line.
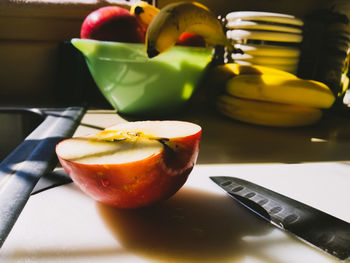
column 199, row 224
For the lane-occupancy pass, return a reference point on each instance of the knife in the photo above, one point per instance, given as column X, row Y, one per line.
column 324, row 231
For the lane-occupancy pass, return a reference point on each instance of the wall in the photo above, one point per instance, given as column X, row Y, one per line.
column 294, row 7
column 31, row 34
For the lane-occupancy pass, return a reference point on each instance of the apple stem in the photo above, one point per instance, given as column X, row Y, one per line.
column 164, row 141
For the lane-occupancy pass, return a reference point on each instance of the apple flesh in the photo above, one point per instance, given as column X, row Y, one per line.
column 132, row 164
column 112, row 23
column 190, row 39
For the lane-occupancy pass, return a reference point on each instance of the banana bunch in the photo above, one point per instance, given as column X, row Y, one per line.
column 271, row 97
column 179, row 17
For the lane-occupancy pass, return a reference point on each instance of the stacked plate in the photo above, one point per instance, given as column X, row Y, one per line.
column 269, row 39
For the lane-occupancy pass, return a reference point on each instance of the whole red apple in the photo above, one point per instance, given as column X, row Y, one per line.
column 190, row 39
column 112, row 23
column 132, row 164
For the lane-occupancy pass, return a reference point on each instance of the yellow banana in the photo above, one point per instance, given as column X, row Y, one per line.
column 345, row 84
column 179, row 17
column 238, row 69
column 219, row 75
column 267, row 113
column 144, row 12
column 281, row 89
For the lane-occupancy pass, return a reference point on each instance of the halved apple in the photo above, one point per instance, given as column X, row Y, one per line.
column 132, row 164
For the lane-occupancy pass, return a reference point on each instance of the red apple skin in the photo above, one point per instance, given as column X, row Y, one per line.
column 112, row 23
column 141, row 183
column 190, row 39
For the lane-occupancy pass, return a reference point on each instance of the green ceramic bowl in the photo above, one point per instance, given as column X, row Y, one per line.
column 134, row 84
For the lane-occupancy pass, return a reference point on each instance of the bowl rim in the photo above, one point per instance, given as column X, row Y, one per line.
column 127, row 44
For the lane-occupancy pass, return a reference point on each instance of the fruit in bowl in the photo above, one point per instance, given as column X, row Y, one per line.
column 155, row 77
column 112, row 23
column 145, row 13
column 178, row 18
column 190, row 39
column 132, row 164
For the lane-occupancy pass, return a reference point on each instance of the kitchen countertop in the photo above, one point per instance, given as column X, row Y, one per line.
column 200, row 223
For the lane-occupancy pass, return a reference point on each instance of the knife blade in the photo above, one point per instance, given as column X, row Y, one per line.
column 315, row 227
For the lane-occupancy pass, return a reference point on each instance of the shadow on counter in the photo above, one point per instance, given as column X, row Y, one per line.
column 192, row 226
